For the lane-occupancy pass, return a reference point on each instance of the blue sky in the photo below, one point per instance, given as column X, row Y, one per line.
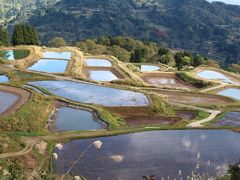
column 228, row 1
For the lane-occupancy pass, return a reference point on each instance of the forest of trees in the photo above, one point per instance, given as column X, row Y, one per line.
column 211, row 29
column 135, row 51
column 22, row 35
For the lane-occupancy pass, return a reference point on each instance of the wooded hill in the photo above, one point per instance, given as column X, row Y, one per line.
column 211, row 29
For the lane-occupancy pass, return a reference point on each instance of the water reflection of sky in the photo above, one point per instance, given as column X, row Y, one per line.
column 162, row 153
column 50, row 66
column 91, row 62
column 4, row 79
column 231, row 92
column 149, row 68
column 213, row 75
column 102, row 76
column 87, row 93
column 7, row 100
column 57, row 55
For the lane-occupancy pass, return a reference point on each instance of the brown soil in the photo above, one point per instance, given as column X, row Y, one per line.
column 168, row 80
column 138, row 116
column 192, row 98
column 187, row 115
column 87, row 70
column 28, row 161
column 23, row 96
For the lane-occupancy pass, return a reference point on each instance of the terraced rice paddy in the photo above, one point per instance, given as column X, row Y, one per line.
column 194, row 98
column 4, row 79
column 149, row 68
column 50, row 66
column 165, row 80
column 7, row 100
column 11, row 99
column 214, row 75
column 57, row 55
column 14, row 54
column 88, row 93
column 231, row 119
column 159, row 153
column 94, row 62
column 67, row 118
column 231, row 92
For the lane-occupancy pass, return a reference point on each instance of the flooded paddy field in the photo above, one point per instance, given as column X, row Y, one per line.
column 195, row 99
column 98, row 62
column 67, row 118
column 57, row 55
column 231, row 92
column 158, row 153
column 4, row 79
column 231, row 119
column 11, row 99
column 215, row 75
column 149, row 68
column 94, row 94
column 14, row 54
column 50, row 66
column 165, row 80
column 102, row 74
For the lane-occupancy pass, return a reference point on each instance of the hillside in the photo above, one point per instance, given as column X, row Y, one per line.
column 12, row 10
column 209, row 28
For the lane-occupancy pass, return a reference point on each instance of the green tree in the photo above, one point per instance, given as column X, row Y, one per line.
column 163, row 51
column 57, row 42
column 33, row 36
column 199, row 60
column 4, row 37
column 24, row 35
column 18, row 37
column 183, row 59
column 139, row 55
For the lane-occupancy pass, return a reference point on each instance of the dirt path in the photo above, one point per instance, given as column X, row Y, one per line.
column 222, row 85
column 30, row 143
column 198, row 124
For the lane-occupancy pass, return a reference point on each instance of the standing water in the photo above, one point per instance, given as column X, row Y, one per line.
column 76, row 119
column 7, row 100
column 50, row 66
column 89, row 93
column 4, row 79
column 14, row 54
column 214, row 75
column 149, row 68
column 231, row 92
column 91, row 62
column 159, row 153
column 57, row 55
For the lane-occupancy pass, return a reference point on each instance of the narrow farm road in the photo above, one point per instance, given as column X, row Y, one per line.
column 29, row 142
column 222, row 85
column 198, row 124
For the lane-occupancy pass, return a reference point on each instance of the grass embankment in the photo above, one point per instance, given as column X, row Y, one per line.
column 193, row 81
column 10, row 144
column 31, row 117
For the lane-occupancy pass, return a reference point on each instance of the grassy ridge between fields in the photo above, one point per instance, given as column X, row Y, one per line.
column 193, row 81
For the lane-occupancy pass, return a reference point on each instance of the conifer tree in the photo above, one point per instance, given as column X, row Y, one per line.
column 4, row 37
column 25, row 35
